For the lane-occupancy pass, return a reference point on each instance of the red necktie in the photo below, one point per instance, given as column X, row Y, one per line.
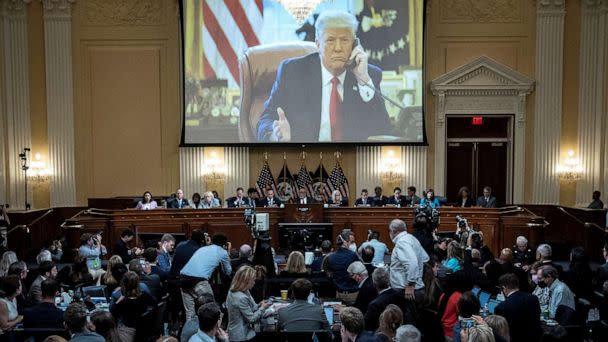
column 335, row 111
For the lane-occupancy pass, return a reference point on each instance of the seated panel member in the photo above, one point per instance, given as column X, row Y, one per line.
column 270, row 200
column 146, row 203
column 379, row 199
column 254, row 197
column 487, row 200
column 464, row 198
column 179, row 202
column 301, row 315
column 209, row 201
column 411, row 199
column 430, row 200
column 364, row 200
column 396, row 199
column 303, row 198
column 336, row 200
column 196, row 202
column 339, row 100
column 239, row 200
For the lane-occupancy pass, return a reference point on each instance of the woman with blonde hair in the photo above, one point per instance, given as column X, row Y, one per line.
column 243, row 312
column 337, row 200
column 390, row 319
column 295, row 268
column 499, row 326
column 477, row 333
column 8, row 258
column 108, row 278
column 454, row 256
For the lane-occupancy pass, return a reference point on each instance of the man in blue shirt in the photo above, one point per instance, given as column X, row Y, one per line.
column 210, row 321
column 337, row 265
column 380, row 248
column 197, row 272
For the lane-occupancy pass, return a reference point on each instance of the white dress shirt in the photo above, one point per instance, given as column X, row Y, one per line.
column 407, row 262
column 366, row 93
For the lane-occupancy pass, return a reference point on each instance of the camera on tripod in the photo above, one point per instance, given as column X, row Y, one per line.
column 428, row 215
column 258, row 224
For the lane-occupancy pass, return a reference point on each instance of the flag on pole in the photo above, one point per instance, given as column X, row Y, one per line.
column 304, row 180
column 320, row 178
column 338, row 180
column 286, row 188
column 265, row 180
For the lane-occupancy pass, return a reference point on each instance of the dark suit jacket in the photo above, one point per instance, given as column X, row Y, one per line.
column 122, row 249
column 182, row 255
column 231, row 202
column 366, row 294
column 343, row 203
column 380, row 201
column 298, row 89
column 491, row 203
column 377, row 306
column 367, row 336
column 35, row 292
column 309, row 200
column 394, row 201
column 174, row 204
column 43, row 316
column 410, row 201
column 264, row 201
column 369, row 201
column 522, row 312
column 154, row 284
column 467, row 203
column 302, row 316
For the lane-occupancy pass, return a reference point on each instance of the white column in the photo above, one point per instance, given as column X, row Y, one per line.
column 191, row 170
column 16, row 95
column 414, row 166
column 548, row 106
column 592, row 98
column 236, row 160
column 368, row 164
column 59, row 99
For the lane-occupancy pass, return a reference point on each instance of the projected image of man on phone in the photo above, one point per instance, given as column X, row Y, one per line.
column 329, row 96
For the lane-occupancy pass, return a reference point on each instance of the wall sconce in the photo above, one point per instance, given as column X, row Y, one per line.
column 390, row 168
column 214, row 170
column 38, row 172
column 570, row 170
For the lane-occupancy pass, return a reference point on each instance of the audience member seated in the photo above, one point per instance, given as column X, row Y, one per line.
column 317, row 262
column 353, row 326
column 19, row 269
column 379, row 199
column 367, row 292
column 209, row 201
column 544, row 254
column 245, row 254
column 364, row 200
column 337, row 265
column 464, row 198
column 152, row 281
column 44, row 255
column 386, row 296
column 79, row 275
column 301, row 315
column 468, row 305
column 179, row 202
column 551, row 292
column 118, row 272
column 390, row 319
column 270, row 200
column 295, row 268
column 487, row 200
column 454, row 257
column 336, row 200
column 210, row 322
column 520, row 309
column 601, row 274
column 367, row 256
column 596, row 203
column 456, row 284
column 91, row 249
column 8, row 258
column 499, row 327
column 151, row 257
column 55, row 247
column 380, row 248
column 579, row 276
column 9, row 313
column 104, row 324
column 243, row 312
column 411, row 199
column 131, row 305
column 167, row 243
column 239, row 200
column 45, row 270
column 523, row 255
column 146, row 203
column 191, row 326
column 108, row 279
column 475, row 241
column 121, row 247
column 45, row 315
column 429, row 200
column 303, row 197
column 75, row 318
column 407, row 333
column 480, row 332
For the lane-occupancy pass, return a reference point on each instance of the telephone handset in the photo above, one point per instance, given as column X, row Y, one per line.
column 351, row 61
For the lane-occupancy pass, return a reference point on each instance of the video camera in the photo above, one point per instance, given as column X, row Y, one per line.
column 428, row 214
column 258, row 224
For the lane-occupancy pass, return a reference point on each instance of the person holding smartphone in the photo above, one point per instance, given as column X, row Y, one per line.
column 92, row 249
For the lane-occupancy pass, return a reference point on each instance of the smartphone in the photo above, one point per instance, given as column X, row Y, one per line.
column 467, row 323
column 142, row 262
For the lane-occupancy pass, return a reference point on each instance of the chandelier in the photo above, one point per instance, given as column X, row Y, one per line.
column 38, row 171
column 300, row 9
column 570, row 170
column 390, row 168
column 214, row 170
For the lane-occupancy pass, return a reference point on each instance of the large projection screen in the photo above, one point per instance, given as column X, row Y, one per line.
column 254, row 75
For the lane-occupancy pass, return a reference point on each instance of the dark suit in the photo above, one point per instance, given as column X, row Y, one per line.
column 43, row 316
column 396, row 201
column 309, row 200
column 122, row 249
column 298, row 91
column 410, row 201
column 377, row 306
column 153, row 283
column 35, row 292
column 264, row 201
column 522, row 312
column 232, row 202
column 176, row 204
column 302, row 316
column 367, row 293
column 467, row 203
column 367, row 336
column 182, row 255
column 343, row 202
column 490, row 203
column 380, row 201
column 369, row 201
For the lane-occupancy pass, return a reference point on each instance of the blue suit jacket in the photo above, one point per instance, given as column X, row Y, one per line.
column 298, row 91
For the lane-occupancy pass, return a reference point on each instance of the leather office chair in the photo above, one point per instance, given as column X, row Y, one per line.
column 258, row 69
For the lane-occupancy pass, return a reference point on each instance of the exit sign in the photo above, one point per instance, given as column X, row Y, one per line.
column 477, row 120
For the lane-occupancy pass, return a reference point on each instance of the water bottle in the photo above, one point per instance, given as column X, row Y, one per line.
column 484, row 313
column 546, row 314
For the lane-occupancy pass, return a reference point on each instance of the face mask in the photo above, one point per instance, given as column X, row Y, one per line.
column 542, row 284
column 535, row 279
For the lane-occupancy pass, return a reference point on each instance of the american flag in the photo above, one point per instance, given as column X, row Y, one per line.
column 304, row 180
column 321, row 184
column 265, row 181
column 229, row 27
column 338, row 181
